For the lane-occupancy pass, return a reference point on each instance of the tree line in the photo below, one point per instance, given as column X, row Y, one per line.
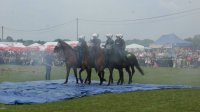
column 195, row 40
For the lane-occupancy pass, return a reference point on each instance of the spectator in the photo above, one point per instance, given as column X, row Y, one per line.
column 48, row 60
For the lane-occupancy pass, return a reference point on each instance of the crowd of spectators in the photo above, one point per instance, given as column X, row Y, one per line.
column 177, row 57
column 167, row 57
column 20, row 57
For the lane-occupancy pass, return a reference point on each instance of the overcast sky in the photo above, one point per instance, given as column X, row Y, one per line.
column 51, row 19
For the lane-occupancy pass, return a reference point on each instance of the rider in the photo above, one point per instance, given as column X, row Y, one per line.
column 108, row 46
column 80, row 48
column 120, row 44
column 96, row 42
column 109, row 42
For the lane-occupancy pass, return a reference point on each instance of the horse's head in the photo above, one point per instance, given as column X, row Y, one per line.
column 58, row 47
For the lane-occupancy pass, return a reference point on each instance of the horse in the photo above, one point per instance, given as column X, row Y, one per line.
column 96, row 55
column 84, row 57
column 133, row 62
column 70, row 56
column 115, row 61
column 90, row 62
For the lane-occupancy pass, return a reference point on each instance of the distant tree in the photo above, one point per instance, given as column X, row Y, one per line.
column 9, row 39
column 147, row 42
column 196, row 42
column 56, row 40
column 188, row 39
column 20, row 40
column 28, row 42
column 40, row 42
column 66, row 39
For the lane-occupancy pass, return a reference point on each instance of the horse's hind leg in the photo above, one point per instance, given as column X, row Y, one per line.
column 122, row 76
column 130, row 76
column 101, row 77
column 75, row 73
column 133, row 70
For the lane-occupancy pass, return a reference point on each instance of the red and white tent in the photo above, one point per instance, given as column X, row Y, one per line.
column 48, row 46
column 3, row 47
column 34, row 47
column 12, row 46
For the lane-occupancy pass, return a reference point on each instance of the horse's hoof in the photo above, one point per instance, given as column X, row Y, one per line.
column 65, row 82
column 100, row 83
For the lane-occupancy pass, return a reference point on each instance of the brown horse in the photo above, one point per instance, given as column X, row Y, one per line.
column 97, row 61
column 85, row 61
column 115, row 61
column 70, row 57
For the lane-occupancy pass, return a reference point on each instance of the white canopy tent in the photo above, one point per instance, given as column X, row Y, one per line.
column 135, row 46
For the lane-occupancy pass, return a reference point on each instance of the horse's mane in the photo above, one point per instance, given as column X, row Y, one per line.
column 64, row 44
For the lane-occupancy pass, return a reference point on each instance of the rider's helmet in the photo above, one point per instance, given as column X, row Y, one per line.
column 82, row 37
column 109, row 35
column 95, row 35
column 119, row 35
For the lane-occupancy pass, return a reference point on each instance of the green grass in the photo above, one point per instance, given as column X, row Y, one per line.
column 168, row 100
column 184, row 76
column 183, row 100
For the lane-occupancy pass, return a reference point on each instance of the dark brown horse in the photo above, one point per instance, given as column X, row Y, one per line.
column 97, row 61
column 115, row 61
column 132, row 62
column 89, row 61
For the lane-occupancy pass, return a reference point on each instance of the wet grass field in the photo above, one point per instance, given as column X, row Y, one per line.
column 162, row 75
column 173, row 100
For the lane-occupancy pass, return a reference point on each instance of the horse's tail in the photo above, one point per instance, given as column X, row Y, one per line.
column 136, row 64
column 138, row 67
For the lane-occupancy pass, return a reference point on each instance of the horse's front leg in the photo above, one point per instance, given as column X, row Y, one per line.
column 67, row 74
column 121, row 78
column 110, row 77
column 102, row 77
column 89, row 71
column 75, row 73
column 80, row 77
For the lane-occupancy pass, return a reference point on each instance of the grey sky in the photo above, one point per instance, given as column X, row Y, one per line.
column 28, row 19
